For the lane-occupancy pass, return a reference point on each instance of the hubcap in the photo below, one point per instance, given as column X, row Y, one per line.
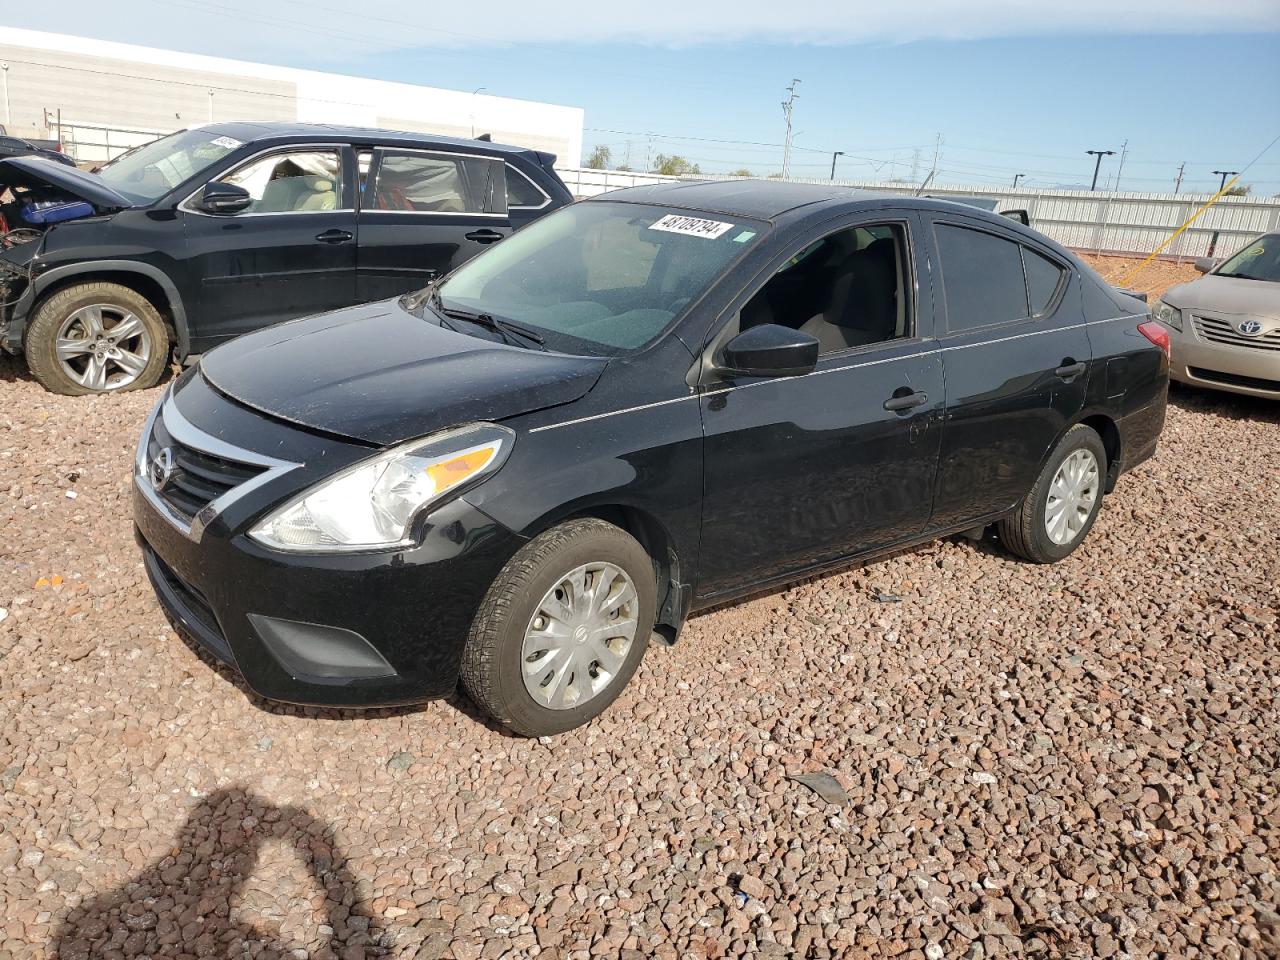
column 103, row 347
column 579, row 636
column 1072, row 496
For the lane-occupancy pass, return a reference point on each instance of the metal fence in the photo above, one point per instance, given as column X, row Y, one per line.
column 1116, row 223
column 96, row 143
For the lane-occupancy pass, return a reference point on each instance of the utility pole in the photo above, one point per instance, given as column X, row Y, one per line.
column 788, row 105
column 1224, row 174
column 1016, row 178
column 1124, row 152
column 836, row 153
column 1177, row 184
column 1098, row 163
column 937, row 148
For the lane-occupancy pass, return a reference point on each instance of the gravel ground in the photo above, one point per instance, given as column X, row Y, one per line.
column 1156, row 277
column 1068, row 761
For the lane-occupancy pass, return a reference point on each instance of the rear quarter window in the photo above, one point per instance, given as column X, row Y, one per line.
column 982, row 278
column 1043, row 277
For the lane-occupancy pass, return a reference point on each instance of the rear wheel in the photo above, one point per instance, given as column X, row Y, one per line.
column 1060, row 510
column 96, row 338
column 562, row 629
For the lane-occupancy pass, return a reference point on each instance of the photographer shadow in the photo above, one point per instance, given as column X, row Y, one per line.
column 188, row 904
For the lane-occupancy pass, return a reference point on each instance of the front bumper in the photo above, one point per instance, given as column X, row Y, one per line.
column 343, row 630
column 1250, row 370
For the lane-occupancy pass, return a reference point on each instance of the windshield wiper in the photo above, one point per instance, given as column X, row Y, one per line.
column 1239, row 276
column 506, row 328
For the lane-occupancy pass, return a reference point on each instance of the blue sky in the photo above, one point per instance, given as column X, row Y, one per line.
column 1012, row 86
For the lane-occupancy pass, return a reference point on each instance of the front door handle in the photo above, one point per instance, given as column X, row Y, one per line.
column 335, row 236
column 484, row 236
column 1070, row 369
column 901, row 402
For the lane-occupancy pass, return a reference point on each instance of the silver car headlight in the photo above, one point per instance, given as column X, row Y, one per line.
column 373, row 504
column 1169, row 316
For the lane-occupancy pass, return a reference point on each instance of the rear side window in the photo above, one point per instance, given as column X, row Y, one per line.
column 431, row 183
column 981, row 278
column 1043, row 277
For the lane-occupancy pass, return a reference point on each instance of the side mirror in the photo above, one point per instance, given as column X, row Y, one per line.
column 769, row 350
column 1205, row 264
column 224, row 198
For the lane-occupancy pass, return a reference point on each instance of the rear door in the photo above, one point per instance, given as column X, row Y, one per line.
column 1016, row 356
column 290, row 254
column 424, row 212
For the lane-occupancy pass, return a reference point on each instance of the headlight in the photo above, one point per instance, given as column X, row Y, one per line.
column 1169, row 316
column 372, row 505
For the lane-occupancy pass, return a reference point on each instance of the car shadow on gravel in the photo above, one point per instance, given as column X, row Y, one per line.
column 191, row 900
column 1230, row 406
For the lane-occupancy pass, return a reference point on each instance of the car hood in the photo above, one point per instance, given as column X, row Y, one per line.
column 38, row 172
column 380, row 374
column 1259, row 298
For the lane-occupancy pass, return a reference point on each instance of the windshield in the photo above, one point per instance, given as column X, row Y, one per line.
column 601, row 278
column 147, row 173
column 1259, row 260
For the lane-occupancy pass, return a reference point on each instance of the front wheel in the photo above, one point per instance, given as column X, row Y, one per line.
column 562, row 629
column 1060, row 510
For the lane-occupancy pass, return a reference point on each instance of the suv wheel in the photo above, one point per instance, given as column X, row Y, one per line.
column 96, row 338
column 1059, row 511
column 562, row 629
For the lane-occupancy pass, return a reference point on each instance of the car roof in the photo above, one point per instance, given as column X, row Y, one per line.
column 253, row 131
column 760, row 199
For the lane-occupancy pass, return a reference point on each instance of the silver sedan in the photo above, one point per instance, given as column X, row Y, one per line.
column 1225, row 327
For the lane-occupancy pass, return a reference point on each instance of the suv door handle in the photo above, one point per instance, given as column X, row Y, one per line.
column 907, row 401
column 484, row 236
column 335, row 236
column 1070, row 369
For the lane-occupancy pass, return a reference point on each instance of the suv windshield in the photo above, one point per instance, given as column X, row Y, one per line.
column 1259, row 260
column 602, row 277
column 147, row 173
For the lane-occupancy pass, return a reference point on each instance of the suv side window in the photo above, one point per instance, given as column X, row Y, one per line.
column 982, row 278
column 295, row 181
column 413, row 182
column 522, row 192
column 848, row 289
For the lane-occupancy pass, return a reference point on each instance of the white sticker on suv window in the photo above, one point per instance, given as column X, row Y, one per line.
column 692, row 226
column 229, row 142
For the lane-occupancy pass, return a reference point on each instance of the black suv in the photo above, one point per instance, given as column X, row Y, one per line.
column 211, row 232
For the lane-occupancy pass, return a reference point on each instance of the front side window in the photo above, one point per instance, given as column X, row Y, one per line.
column 982, row 278
column 148, row 172
column 292, row 182
column 602, row 277
column 437, row 183
column 848, row 290
column 1259, row 260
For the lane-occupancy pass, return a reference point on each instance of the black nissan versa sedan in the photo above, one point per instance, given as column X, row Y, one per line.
column 636, row 407
column 192, row 239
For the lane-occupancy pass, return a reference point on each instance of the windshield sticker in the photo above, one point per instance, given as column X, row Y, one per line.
column 692, row 226
column 744, row 236
column 229, row 142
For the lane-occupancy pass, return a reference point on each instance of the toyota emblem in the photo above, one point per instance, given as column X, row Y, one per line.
column 1250, row 328
column 160, row 469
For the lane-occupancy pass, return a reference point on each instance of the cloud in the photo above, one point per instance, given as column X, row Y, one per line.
column 328, row 28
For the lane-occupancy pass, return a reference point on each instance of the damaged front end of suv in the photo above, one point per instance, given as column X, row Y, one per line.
column 19, row 250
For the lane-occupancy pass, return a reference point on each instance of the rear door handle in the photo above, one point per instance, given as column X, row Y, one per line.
column 1070, row 369
column 335, row 236
column 908, row 401
column 484, row 236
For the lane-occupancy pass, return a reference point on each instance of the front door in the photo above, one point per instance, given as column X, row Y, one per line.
column 422, row 213
column 290, row 254
column 1016, row 355
column 801, row 471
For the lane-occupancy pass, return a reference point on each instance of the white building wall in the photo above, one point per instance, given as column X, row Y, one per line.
column 126, row 87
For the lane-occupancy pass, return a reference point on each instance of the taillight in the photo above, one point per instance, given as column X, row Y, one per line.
column 1156, row 334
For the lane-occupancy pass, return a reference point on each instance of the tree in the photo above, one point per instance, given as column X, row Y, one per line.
column 744, row 172
column 674, row 166
column 1240, row 190
column 600, row 157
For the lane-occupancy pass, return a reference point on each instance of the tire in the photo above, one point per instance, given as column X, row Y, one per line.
column 1025, row 532
column 496, row 662
column 133, row 362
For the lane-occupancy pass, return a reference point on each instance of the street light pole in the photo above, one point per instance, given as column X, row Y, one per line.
column 1098, row 163
column 1224, row 174
column 834, row 154
column 1016, row 178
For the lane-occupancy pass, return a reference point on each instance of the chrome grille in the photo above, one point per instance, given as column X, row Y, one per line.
column 1216, row 330
column 197, row 478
